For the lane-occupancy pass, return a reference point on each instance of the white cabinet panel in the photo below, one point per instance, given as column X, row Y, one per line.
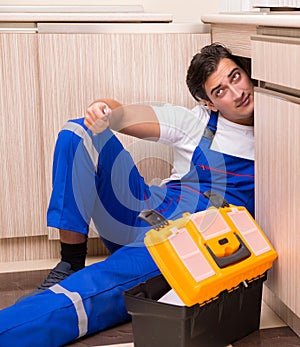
column 276, row 3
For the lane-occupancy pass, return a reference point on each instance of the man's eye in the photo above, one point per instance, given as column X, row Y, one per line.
column 236, row 76
column 219, row 92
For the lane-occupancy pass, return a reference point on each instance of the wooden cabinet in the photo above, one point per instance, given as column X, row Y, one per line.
column 277, row 166
column 237, row 37
column 76, row 69
column 22, row 194
column 49, row 78
column 272, row 43
column 277, row 125
column 275, row 60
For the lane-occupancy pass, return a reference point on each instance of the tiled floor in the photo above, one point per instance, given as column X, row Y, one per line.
column 273, row 331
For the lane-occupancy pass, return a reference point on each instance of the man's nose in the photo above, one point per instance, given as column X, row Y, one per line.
column 237, row 93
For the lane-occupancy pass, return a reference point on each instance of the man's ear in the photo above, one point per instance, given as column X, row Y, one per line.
column 210, row 105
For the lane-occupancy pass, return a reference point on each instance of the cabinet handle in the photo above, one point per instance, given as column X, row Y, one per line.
column 278, row 94
column 276, row 39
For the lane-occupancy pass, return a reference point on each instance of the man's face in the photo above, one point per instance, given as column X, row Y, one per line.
column 231, row 92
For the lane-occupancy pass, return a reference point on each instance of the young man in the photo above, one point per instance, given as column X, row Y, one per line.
column 94, row 178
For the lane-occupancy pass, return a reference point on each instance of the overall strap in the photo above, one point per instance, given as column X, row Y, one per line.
column 211, row 127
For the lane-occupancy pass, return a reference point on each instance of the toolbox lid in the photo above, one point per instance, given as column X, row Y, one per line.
column 205, row 253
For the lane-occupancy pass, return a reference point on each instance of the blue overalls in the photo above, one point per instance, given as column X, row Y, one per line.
column 92, row 299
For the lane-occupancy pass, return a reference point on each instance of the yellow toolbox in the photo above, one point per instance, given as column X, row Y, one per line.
column 205, row 253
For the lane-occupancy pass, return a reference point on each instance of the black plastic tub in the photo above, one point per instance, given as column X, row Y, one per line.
column 217, row 323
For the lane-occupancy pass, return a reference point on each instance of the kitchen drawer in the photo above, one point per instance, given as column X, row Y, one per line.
column 275, row 59
column 237, row 37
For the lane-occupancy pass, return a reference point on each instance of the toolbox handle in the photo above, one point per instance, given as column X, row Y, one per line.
column 241, row 254
column 153, row 218
column 216, row 199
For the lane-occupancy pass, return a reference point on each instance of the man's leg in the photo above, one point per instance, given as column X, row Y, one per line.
column 73, row 254
column 89, row 301
column 93, row 177
column 73, row 249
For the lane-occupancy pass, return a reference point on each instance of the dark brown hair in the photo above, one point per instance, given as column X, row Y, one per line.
column 204, row 64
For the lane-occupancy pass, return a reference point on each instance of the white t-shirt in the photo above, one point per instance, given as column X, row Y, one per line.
column 182, row 129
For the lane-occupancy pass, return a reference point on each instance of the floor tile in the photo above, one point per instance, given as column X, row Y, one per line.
column 274, row 337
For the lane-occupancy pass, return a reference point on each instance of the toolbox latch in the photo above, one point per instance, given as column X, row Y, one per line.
column 216, row 199
column 153, row 218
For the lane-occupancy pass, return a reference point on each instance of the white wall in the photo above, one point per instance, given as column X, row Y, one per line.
column 237, row 5
column 182, row 10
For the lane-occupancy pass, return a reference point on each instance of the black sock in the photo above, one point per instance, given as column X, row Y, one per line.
column 74, row 254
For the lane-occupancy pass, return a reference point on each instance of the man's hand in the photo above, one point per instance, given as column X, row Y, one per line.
column 135, row 120
column 96, row 117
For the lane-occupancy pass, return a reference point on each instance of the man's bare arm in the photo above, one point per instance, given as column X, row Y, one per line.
column 135, row 120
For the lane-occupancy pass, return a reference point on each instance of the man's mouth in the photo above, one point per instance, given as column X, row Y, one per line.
column 244, row 102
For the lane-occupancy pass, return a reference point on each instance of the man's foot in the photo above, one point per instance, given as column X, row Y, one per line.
column 61, row 271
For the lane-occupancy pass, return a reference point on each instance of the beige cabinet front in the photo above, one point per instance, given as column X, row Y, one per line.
column 275, row 59
column 237, row 37
column 22, row 194
column 277, row 187
column 49, row 78
column 76, row 69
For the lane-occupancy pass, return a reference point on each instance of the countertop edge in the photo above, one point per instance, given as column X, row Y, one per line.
column 189, row 28
column 278, row 20
column 85, row 17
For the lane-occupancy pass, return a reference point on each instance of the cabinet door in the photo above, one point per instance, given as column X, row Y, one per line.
column 22, row 193
column 277, row 187
column 76, row 69
column 275, row 60
column 237, row 37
